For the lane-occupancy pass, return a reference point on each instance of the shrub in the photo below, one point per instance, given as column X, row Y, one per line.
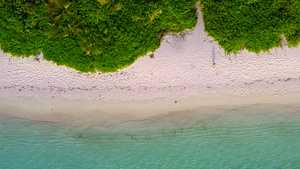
column 256, row 25
column 91, row 35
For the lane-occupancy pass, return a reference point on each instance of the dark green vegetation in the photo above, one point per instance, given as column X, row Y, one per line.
column 256, row 25
column 107, row 35
column 91, row 35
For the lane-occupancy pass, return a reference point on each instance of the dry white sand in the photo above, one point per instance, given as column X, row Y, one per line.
column 181, row 71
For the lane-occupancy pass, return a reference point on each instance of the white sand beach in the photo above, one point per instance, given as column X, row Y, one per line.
column 179, row 77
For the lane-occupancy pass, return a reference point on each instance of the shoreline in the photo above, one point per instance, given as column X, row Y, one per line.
column 87, row 113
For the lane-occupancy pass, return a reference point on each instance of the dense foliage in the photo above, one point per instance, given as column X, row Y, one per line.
column 91, row 35
column 256, row 25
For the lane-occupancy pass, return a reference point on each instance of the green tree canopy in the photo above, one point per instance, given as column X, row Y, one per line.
column 256, row 25
column 91, row 35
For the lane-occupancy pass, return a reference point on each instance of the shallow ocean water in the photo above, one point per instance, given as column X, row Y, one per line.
column 258, row 136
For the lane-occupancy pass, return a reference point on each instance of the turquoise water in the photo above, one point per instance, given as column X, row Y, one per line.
column 249, row 137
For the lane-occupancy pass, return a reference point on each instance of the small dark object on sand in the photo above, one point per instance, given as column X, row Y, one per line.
column 37, row 59
column 152, row 56
column 175, row 101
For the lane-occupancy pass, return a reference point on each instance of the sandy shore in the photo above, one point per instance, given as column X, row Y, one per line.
column 181, row 72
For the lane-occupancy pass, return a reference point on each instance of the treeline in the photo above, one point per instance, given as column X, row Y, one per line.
column 107, row 35
column 91, row 35
column 256, row 25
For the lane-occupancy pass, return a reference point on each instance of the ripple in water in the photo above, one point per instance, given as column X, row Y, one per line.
column 260, row 136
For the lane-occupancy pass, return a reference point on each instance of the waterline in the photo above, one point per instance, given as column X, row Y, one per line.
column 250, row 137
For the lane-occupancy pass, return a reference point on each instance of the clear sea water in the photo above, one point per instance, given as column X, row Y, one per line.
column 266, row 137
